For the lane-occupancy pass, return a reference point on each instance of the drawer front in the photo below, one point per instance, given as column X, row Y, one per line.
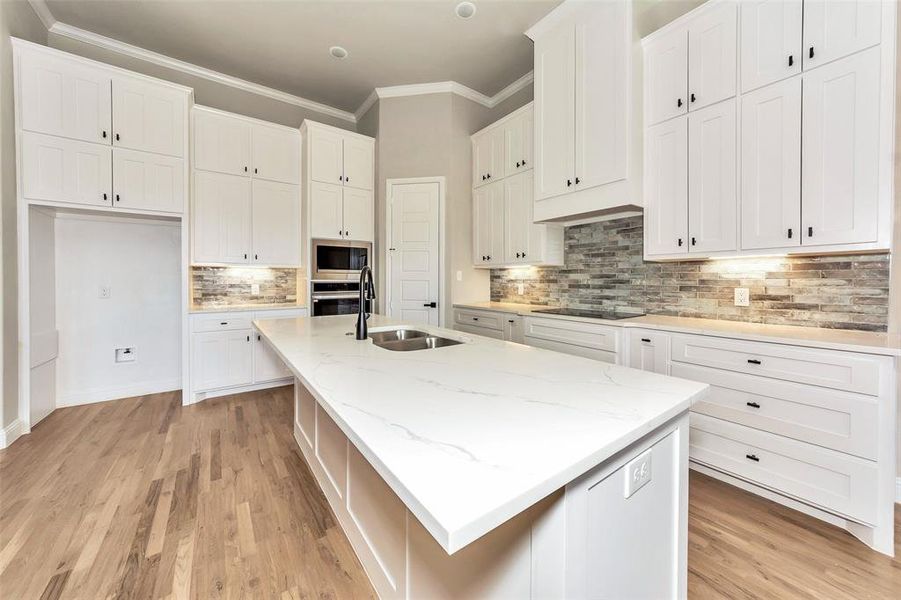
column 838, row 420
column 836, row 482
column 577, row 333
column 601, row 355
column 826, row 368
column 492, row 333
column 221, row 322
column 474, row 318
column 288, row 313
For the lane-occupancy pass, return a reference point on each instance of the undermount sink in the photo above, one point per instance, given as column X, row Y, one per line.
column 404, row 340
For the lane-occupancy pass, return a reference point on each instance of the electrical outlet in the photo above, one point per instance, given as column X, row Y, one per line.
column 459, row 275
column 254, row 289
column 104, row 292
column 638, row 474
column 125, row 354
column 742, row 297
column 521, row 288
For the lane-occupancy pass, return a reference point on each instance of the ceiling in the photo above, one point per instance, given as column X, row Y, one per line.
column 285, row 44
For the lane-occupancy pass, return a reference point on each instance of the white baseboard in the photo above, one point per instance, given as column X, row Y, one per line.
column 10, row 433
column 117, row 393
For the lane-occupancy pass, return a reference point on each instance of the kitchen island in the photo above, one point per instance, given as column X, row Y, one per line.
column 492, row 469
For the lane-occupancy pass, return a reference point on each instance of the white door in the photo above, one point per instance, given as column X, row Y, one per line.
column 414, row 253
column 148, row 117
column 148, row 181
column 712, row 49
column 276, row 224
column 840, row 162
column 481, row 159
column 221, row 143
column 666, row 187
column 221, row 218
column 221, row 359
column 522, row 236
column 358, row 215
column 555, row 86
column 267, row 366
column 326, row 156
column 770, row 41
column 666, row 77
column 837, row 28
column 276, row 154
column 326, row 211
column 518, row 143
column 62, row 170
column 712, row 205
column 65, row 98
column 602, row 90
column 771, row 166
column 358, row 163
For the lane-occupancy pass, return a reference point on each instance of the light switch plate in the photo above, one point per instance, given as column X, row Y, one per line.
column 104, row 292
column 742, row 297
column 255, row 289
column 638, row 474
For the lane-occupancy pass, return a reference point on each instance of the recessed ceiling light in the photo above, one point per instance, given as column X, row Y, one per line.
column 465, row 10
column 338, row 52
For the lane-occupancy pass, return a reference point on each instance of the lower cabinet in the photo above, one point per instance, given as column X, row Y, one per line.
column 589, row 340
column 649, row 350
column 497, row 325
column 267, row 365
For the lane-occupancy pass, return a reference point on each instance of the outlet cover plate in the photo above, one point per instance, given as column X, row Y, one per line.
column 742, row 297
column 638, row 473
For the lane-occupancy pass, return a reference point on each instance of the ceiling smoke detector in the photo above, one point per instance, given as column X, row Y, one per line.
column 338, row 52
column 465, row 10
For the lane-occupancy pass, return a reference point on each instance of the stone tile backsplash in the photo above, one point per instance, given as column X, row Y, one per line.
column 225, row 286
column 604, row 268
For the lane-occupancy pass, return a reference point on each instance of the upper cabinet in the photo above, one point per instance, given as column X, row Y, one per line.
column 770, row 41
column 148, row 117
column 340, row 157
column 583, row 134
column 666, row 76
column 837, row 28
column 518, row 142
column 488, row 164
column 712, row 47
column 276, row 153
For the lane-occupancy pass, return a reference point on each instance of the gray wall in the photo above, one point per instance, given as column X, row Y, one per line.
column 19, row 20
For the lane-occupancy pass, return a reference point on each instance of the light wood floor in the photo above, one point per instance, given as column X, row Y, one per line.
column 141, row 498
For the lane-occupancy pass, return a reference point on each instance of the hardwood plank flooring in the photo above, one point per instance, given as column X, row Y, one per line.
column 144, row 498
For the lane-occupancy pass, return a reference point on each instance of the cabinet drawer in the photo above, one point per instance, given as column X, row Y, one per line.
column 838, row 420
column 826, row 368
column 831, row 480
column 288, row 313
column 221, row 322
column 577, row 333
column 490, row 320
column 584, row 351
column 475, row 330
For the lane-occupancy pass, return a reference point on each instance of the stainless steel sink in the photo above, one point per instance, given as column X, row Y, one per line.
column 405, row 340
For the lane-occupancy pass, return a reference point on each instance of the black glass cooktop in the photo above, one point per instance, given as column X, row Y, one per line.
column 610, row 315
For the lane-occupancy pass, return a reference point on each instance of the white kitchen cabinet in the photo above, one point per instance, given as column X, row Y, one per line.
column 488, row 224
column 666, row 76
column 649, row 350
column 771, row 166
column 58, row 169
column 326, row 155
column 358, row 215
column 666, row 188
column 493, row 324
column 579, row 338
column 267, row 365
column 513, row 329
column 276, row 153
column 712, row 207
column 65, row 97
column 146, row 181
column 275, row 218
column 358, row 162
column 519, row 237
column 326, row 211
column 841, row 158
column 221, row 359
column 148, row 117
column 222, row 226
column 339, row 157
column 837, row 28
column 770, row 41
column 518, row 142
column 712, row 48
column 222, row 142
column 488, row 156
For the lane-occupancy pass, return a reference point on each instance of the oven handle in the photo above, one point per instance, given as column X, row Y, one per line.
column 317, row 298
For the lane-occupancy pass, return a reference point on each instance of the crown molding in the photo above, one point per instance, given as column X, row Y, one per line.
column 367, row 104
column 43, row 12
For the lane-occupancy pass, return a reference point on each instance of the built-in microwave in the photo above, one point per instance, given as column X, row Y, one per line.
column 339, row 259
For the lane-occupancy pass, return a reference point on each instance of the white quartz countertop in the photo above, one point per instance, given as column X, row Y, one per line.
column 471, row 435
column 814, row 337
column 243, row 307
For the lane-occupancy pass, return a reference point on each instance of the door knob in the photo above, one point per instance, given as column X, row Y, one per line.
column 431, row 304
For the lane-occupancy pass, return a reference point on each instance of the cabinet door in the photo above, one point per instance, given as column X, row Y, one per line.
column 488, row 224
column 602, row 92
column 358, row 215
column 712, row 48
column 771, row 166
column 267, row 366
column 840, row 162
column 276, row 154
column 65, row 98
column 498, row 168
column 481, row 159
column 326, row 156
column 221, row 143
column 712, row 206
column 518, row 222
column 666, row 187
column 649, row 351
column 666, row 77
column 358, row 163
column 518, row 143
column 148, row 117
column 221, row 359
column 836, row 28
column 555, row 76
column 276, row 224
column 62, row 170
column 148, row 181
column 326, row 211
column 222, row 218
column 770, row 41
column 513, row 331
